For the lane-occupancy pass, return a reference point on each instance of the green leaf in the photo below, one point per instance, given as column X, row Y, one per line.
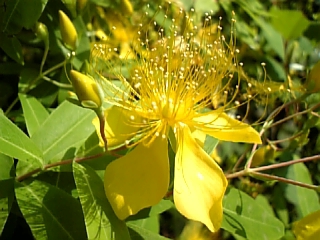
column 151, row 223
column 10, row 68
column 101, row 222
column 155, row 210
column 263, row 202
column 312, row 31
column 246, row 33
column 102, row 3
column 162, row 206
column 210, row 144
column 18, row 14
column 28, row 76
column 186, row 4
column 255, row 11
column 280, row 204
column 12, row 47
column 274, row 39
column 275, row 69
column 34, row 113
column 14, row 143
column 206, row 6
column 6, row 167
column 245, row 217
column 305, row 200
column 67, row 127
column 140, row 233
column 91, row 147
column 6, row 200
column 50, row 212
column 290, row 23
column 45, row 92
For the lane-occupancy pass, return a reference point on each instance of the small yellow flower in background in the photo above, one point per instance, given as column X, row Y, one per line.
column 170, row 88
column 122, row 31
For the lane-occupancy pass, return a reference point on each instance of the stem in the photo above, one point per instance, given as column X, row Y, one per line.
column 280, row 121
column 46, row 50
column 272, row 166
column 285, row 180
column 51, row 165
column 295, row 115
column 253, row 149
column 284, row 164
column 285, row 139
column 32, row 82
column 315, row 114
column 278, row 109
column 240, row 160
column 53, row 68
column 237, row 174
column 59, row 84
column 11, row 105
column 102, row 121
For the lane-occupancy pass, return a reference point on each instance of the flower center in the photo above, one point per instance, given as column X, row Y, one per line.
column 173, row 111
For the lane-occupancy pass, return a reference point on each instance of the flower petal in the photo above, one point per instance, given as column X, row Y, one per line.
column 199, row 183
column 219, row 125
column 139, row 179
column 118, row 127
column 199, row 136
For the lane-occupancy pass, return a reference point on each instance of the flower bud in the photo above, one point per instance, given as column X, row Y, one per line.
column 42, row 33
column 81, row 4
column 126, row 7
column 262, row 156
column 68, row 32
column 88, row 91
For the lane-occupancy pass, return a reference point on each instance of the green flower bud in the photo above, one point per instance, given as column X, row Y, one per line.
column 68, row 32
column 88, row 91
column 81, row 4
column 42, row 33
column 126, row 7
column 262, row 156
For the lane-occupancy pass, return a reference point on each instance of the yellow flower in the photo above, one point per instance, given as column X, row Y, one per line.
column 168, row 90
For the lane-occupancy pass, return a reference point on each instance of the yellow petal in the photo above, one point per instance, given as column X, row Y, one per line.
column 219, row 125
column 118, row 127
column 199, row 183
column 199, row 136
column 308, row 228
column 139, row 179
